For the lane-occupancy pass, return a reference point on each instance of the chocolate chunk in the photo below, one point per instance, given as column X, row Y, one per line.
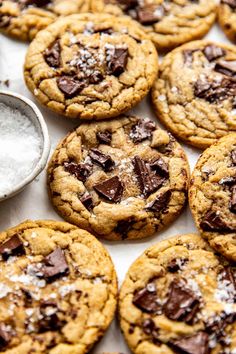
column 232, row 205
column 146, row 299
column 54, row 265
column 149, row 328
column 188, row 56
column 124, row 226
column 160, row 167
column 52, row 54
column 28, row 299
column 212, row 222
column 227, row 68
column 213, row 52
column 233, row 157
column 49, row 320
column 148, row 181
column 228, row 181
column 104, row 137
column 70, row 86
column 160, row 203
column 117, row 60
column 5, row 20
column 215, row 90
column 81, row 171
column 111, row 189
column 96, row 77
column 5, row 335
column 142, row 130
column 103, row 160
column 218, row 324
column 231, row 3
column 150, row 14
column 106, row 30
column 195, row 344
column 128, row 4
column 38, row 3
column 228, row 275
column 182, row 303
column 12, row 247
column 176, row 264
column 87, row 201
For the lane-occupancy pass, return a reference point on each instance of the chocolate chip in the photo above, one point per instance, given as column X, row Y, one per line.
column 231, row 3
column 213, row 52
column 81, row 171
column 104, row 137
column 111, row 189
column 160, row 167
column 212, row 222
column 70, row 86
column 49, row 319
column 149, row 328
column 146, row 299
column 12, row 247
column 182, row 303
column 232, row 205
column 148, row 181
column 176, row 264
column 150, row 14
column 117, row 59
column 227, row 68
column 87, row 201
column 142, row 130
column 54, row 265
column 195, row 344
column 5, row 335
column 103, row 160
column 233, row 157
column 52, row 54
column 160, row 203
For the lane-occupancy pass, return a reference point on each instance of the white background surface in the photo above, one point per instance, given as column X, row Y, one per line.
column 33, row 202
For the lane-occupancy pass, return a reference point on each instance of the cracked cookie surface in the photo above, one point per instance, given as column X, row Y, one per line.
column 179, row 297
column 212, row 195
column 58, row 289
column 91, row 66
column 194, row 95
column 227, row 18
column 120, row 179
column 168, row 23
column 23, row 19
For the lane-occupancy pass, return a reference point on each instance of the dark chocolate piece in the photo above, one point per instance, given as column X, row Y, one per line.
column 195, row 344
column 228, row 181
column 142, row 130
column 149, row 328
column 124, row 226
column 117, row 60
column 54, row 265
column 226, row 67
column 215, row 91
column 228, row 275
column 70, row 86
column 38, row 3
column 212, row 222
column 160, row 203
column 52, row 54
column 231, row 3
column 150, row 14
column 111, row 189
column 160, row 167
column 5, row 335
column 81, row 171
column 188, row 56
column 87, row 201
column 5, row 20
column 103, row 160
column 12, row 247
column 104, row 137
column 176, row 264
column 213, row 52
column 146, row 299
column 49, row 320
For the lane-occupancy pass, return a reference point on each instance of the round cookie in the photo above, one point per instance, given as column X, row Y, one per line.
column 179, row 297
column 91, row 66
column 194, row 95
column 120, row 179
column 212, row 195
column 23, row 19
column 227, row 18
column 168, row 23
column 58, row 289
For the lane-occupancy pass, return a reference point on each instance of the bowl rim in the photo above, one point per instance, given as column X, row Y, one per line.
column 46, row 145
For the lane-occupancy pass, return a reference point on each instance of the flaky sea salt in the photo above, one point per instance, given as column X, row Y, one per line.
column 20, row 148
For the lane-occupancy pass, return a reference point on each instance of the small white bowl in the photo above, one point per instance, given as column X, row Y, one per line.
column 28, row 108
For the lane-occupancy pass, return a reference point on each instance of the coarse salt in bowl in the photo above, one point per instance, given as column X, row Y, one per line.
column 24, row 143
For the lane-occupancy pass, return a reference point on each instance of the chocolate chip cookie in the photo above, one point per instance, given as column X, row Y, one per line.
column 120, row 179
column 179, row 297
column 212, row 195
column 23, row 19
column 91, row 66
column 227, row 18
column 58, row 289
column 168, row 23
column 194, row 95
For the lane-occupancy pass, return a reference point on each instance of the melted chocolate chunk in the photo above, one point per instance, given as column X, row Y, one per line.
column 103, row 160
column 54, row 265
column 111, row 189
column 196, row 344
column 160, row 203
column 87, row 201
column 225, row 67
column 5, row 335
column 232, row 205
column 149, row 328
column 117, row 60
column 146, row 299
column 182, row 303
column 124, row 226
column 104, row 137
column 81, row 171
column 215, row 91
column 212, row 222
column 52, row 54
column 176, row 264
column 142, row 130
column 233, row 157
column 49, row 320
column 148, row 181
column 12, row 247
column 150, row 14
column 213, row 52
column 70, row 86
column 160, row 167
column 231, row 3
